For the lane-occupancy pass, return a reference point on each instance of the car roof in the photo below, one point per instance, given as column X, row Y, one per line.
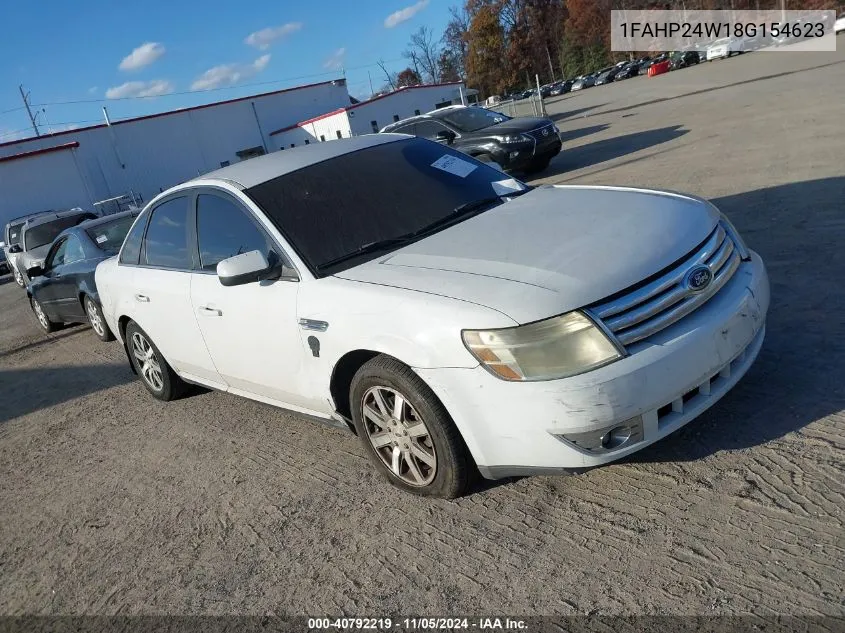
column 52, row 217
column 87, row 224
column 255, row 171
column 417, row 117
column 23, row 218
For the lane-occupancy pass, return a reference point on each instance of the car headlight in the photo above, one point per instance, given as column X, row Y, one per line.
column 512, row 138
column 559, row 347
column 730, row 229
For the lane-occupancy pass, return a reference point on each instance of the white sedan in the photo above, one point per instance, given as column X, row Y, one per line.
column 455, row 318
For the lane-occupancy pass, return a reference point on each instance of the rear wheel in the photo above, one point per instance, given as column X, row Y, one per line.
column 158, row 377
column 43, row 320
column 18, row 277
column 97, row 320
column 407, row 431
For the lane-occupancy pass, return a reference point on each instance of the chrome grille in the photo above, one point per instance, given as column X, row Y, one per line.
column 644, row 311
column 538, row 133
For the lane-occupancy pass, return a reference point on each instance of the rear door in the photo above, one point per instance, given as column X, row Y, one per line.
column 43, row 287
column 161, row 289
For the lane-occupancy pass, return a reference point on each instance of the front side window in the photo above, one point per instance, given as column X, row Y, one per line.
column 166, row 241
column 73, row 250
column 429, row 129
column 472, row 119
column 41, row 234
column 332, row 211
column 131, row 251
column 57, row 255
column 224, row 230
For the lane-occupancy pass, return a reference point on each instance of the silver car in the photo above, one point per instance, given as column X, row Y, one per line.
column 36, row 236
column 11, row 236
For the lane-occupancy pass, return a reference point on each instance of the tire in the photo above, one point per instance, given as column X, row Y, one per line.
column 18, row 277
column 43, row 320
column 447, row 470
column 157, row 376
column 96, row 319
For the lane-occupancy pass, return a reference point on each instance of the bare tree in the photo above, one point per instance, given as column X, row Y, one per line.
column 389, row 77
column 424, row 53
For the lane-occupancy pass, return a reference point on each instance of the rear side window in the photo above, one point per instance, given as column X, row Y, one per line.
column 14, row 236
column 166, row 241
column 131, row 251
column 108, row 236
column 224, row 230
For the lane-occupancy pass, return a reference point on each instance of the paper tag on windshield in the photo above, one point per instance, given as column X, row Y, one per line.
column 507, row 186
column 101, row 239
column 454, row 165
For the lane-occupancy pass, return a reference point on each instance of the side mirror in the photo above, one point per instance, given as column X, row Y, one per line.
column 2, row 244
column 446, row 135
column 35, row 271
column 15, row 248
column 247, row 268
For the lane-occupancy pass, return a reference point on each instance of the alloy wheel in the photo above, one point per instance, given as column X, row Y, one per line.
column 399, row 436
column 39, row 312
column 94, row 317
column 147, row 361
column 18, row 278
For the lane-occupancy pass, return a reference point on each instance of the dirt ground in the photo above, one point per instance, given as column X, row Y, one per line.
column 114, row 503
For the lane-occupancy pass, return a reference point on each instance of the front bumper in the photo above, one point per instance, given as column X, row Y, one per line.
column 523, row 156
column 667, row 380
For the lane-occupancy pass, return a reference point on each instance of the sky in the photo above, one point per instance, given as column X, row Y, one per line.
column 138, row 58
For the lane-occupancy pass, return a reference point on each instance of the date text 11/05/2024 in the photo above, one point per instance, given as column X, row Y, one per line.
column 417, row 624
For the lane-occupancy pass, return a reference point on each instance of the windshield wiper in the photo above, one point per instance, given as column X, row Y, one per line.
column 461, row 211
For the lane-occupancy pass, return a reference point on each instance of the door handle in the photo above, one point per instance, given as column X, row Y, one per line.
column 210, row 311
column 142, row 298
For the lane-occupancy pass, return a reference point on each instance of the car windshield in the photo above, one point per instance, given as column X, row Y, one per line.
column 42, row 234
column 108, row 236
column 472, row 119
column 335, row 209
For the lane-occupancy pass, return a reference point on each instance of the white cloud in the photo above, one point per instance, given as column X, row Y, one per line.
column 142, row 56
column 263, row 39
column 154, row 88
column 403, row 15
column 92, row 90
column 229, row 74
column 335, row 60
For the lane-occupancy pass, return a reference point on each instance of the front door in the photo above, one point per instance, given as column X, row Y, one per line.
column 65, row 285
column 251, row 330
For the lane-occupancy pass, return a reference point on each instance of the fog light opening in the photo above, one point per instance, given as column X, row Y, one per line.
column 616, row 437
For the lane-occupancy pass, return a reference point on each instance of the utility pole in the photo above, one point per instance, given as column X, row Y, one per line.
column 25, row 97
column 372, row 92
column 551, row 67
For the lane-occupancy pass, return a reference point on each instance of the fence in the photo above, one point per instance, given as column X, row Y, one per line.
column 120, row 203
column 532, row 106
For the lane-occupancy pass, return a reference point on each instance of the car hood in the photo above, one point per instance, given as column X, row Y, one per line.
column 551, row 250
column 34, row 255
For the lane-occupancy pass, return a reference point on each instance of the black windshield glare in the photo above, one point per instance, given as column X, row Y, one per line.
column 333, row 208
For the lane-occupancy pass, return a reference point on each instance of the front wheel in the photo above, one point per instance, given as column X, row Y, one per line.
column 97, row 321
column 538, row 165
column 407, row 431
column 18, row 277
column 158, row 377
column 43, row 320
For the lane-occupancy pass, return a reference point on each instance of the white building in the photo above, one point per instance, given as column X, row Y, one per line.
column 148, row 154
column 370, row 116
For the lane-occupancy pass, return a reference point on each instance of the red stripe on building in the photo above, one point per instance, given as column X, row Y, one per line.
column 36, row 152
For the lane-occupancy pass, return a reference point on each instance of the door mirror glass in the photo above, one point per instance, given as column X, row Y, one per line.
column 246, row 268
column 15, row 248
column 35, row 271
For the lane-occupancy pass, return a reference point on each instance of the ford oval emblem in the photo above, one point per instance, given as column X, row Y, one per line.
column 698, row 278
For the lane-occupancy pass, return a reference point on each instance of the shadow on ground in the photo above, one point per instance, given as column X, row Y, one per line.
column 32, row 389
column 609, row 149
column 571, row 135
column 798, row 229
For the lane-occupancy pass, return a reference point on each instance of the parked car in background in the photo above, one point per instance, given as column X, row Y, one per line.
column 584, row 81
column 562, row 87
column 4, row 264
column 38, row 233
column 457, row 320
column 683, row 59
column 519, row 144
column 62, row 289
column 629, row 70
column 721, row 49
column 839, row 25
column 607, row 75
column 11, row 238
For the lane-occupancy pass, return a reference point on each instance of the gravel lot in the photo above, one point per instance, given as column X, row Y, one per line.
column 115, row 503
